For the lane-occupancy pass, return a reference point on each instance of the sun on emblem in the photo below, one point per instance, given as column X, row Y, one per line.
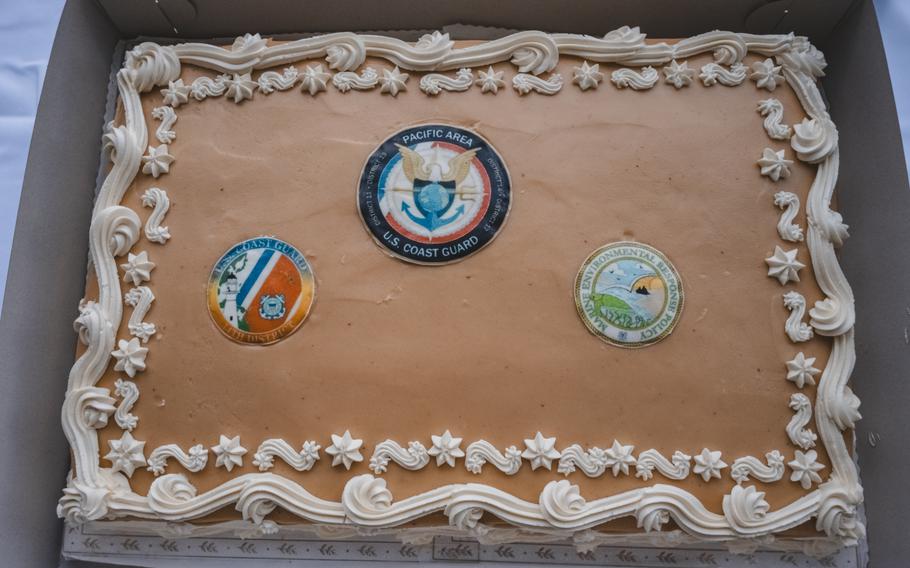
column 629, row 294
column 260, row 291
column 434, row 194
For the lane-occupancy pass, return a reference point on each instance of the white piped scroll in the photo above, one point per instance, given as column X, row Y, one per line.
column 194, row 460
column 797, row 330
column 799, row 434
column 348, row 80
column 524, row 84
column 157, row 199
column 435, row 83
column 165, row 133
column 635, row 80
column 302, row 460
column 414, row 457
column 786, row 228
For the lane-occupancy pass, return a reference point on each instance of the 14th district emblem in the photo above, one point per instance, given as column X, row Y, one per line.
column 434, row 194
column 260, row 291
column 629, row 294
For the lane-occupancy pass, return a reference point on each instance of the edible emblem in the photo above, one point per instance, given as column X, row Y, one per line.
column 260, row 291
column 628, row 294
column 434, row 194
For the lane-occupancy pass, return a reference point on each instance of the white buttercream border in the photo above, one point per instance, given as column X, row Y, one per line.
column 94, row 492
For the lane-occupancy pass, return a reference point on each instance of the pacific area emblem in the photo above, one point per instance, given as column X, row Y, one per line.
column 260, row 291
column 629, row 294
column 434, row 194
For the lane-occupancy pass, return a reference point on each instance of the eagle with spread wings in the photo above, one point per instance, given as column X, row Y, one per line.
column 417, row 169
column 434, row 185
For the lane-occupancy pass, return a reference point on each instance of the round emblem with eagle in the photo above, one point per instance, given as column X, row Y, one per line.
column 260, row 291
column 434, row 194
column 629, row 294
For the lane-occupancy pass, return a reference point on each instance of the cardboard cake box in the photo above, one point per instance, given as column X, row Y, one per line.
column 46, row 278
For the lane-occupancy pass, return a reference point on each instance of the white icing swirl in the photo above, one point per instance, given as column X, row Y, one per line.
column 746, row 508
column 151, row 65
column 814, row 139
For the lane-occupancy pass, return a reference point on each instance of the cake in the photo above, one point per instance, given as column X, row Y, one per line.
column 545, row 286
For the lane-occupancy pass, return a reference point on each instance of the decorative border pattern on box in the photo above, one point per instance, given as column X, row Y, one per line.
column 94, row 492
column 242, row 542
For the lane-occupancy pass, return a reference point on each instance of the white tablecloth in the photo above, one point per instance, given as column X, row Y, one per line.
column 26, row 34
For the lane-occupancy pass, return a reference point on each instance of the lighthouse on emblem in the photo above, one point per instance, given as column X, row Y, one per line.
column 228, row 292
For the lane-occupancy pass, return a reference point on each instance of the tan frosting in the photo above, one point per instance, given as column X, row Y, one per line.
column 491, row 347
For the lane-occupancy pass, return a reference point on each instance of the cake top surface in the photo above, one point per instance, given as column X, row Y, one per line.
column 460, row 357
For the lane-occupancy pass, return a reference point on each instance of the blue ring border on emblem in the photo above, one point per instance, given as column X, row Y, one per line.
column 373, row 175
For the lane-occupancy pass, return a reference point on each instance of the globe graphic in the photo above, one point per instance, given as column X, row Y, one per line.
column 433, row 198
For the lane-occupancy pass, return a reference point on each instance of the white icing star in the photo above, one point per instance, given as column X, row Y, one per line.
column 587, row 76
column 138, row 268
column 240, row 87
column 490, row 80
column 126, row 454
column 678, row 75
column 708, row 464
column 157, row 161
column 315, row 79
column 310, row 451
column 619, row 458
column 249, row 42
column 775, row 458
column 774, row 165
column 132, row 297
column 801, row 371
column 784, row 266
column 766, row 75
column 393, row 81
column 143, row 330
column 198, row 456
column 805, row 467
column 229, row 452
column 598, row 456
column 130, row 356
column 541, row 451
column 176, row 93
column 446, row 449
column 344, row 450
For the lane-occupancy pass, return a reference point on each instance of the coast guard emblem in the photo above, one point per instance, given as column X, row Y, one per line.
column 260, row 291
column 271, row 307
column 434, row 194
column 629, row 294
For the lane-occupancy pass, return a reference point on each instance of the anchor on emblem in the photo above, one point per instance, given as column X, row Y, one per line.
column 434, row 188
